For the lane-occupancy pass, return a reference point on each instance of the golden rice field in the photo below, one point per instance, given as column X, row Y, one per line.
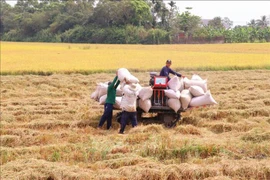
column 48, row 132
column 48, row 123
column 18, row 58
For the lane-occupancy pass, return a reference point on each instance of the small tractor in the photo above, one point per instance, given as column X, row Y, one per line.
column 159, row 102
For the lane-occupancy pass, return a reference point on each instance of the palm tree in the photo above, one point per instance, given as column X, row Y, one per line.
column 263, row 22
column 252, row 23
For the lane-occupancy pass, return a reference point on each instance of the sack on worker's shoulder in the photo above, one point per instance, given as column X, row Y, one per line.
column 123, row 74
column 133, row 79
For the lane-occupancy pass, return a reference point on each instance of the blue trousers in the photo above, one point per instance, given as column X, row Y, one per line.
column 107, row 115
column 125, row 117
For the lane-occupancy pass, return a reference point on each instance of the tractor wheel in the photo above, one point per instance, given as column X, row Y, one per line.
column 169, row 119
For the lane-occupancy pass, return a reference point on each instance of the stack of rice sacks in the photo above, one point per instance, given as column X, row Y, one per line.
column 186, row 93
column 125, row 78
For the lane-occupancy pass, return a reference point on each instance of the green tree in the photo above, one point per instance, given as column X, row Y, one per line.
column 252, row 23
column 227, row 23
column 187, row 22
column 263, row 22
column 216, row 23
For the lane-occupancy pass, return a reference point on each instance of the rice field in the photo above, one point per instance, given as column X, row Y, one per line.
column 48, row 123
column 48, row 131
column 38, row 58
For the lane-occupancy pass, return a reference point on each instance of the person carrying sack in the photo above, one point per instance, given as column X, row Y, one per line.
column 129, row 106
column 108, row 106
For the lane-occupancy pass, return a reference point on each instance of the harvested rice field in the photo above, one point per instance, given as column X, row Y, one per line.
column 48, row 131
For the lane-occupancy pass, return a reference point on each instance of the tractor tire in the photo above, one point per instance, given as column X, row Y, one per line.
column 169, row 119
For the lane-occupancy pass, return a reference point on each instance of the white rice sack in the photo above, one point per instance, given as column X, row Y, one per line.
column 172, row 94
column 119, row 91
column 102, row 99
column 146, row 93
column 206, row 99
column 174, row 83
column 122, row 85
column 174, row 104
column 94, row 95
column 196, row 91
column 102, row 89
column 139, row 87
column 131, row 89
column 182, row 87
column 133, row 79
column 117, row 102
column 185, row 98
column 123, row 74
column 128, row 103
column 202, row 84
column 196, row 77
column 145, row 105
column 129, row 100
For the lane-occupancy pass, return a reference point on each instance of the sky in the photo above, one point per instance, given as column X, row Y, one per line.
column 240, row 12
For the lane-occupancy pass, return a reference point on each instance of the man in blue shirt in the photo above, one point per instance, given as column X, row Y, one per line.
column 166, row 70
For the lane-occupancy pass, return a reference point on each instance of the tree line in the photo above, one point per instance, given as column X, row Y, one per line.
column 117, row 22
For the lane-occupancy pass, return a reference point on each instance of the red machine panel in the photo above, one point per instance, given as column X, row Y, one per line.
column 160, row 82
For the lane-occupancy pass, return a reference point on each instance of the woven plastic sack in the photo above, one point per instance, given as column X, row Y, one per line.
column 196, row 91
column 102, row 89
column 206, row 99
column 117, row 103
column 172, row 94
column 123, row 74
column 119, row 91
column 145, row 105
column 145, row 93
column 196, row 77
column 185, row 98
column 174, row 83
column 128, row 102
column 174, row 104
column 94, row 95
column 182, row 86
column 202, row 84
column 133, row 79
column 102, row 99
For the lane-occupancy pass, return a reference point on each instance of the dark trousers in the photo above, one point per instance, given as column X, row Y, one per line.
column 125, row 117
column 107, row 115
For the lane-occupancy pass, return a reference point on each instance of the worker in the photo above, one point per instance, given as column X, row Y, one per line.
column 110, row 101
column 166, row 70
column 129, row 107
